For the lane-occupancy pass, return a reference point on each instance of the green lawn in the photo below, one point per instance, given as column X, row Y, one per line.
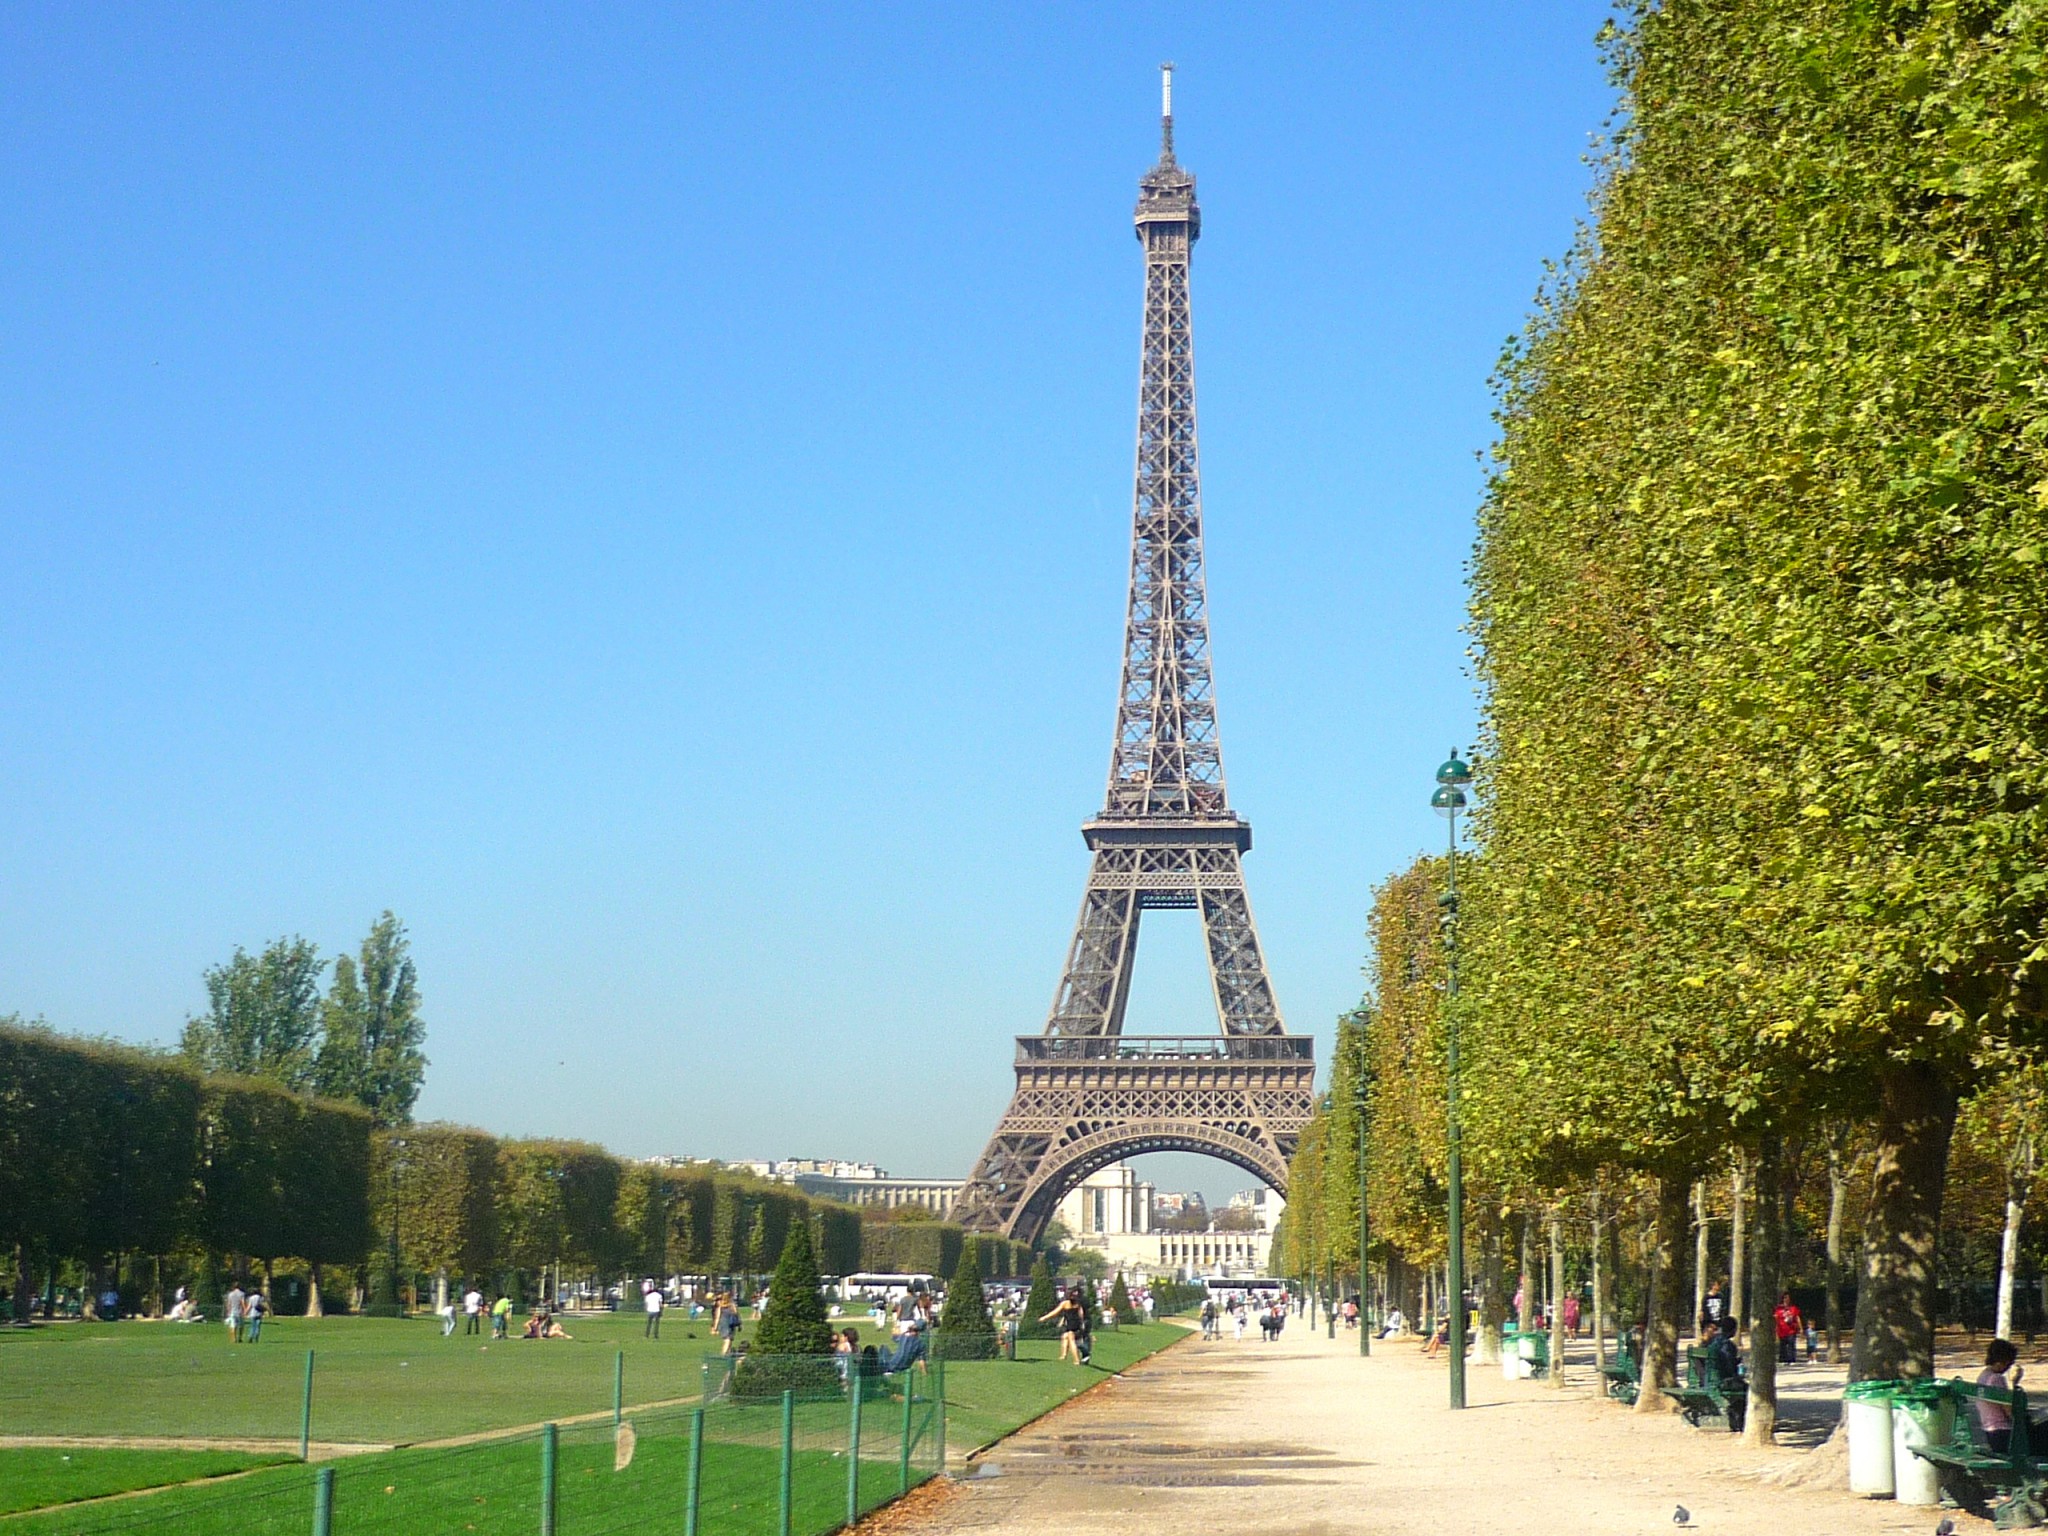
column 33, row 1477
column 382, row 1380
column 494, row 1487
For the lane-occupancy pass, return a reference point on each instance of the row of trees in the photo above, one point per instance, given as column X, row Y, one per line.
column 106, row 1151
column 109, row 1152
column 1763, row 838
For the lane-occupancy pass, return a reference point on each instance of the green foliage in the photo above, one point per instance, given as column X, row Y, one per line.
column 262, row 1017
column 1120, row 1299
column 98, row 1146
column 445, row 1182
column 966, row 1310
column 1043, row 1298
column 558, row 1200
column 371, row 1053
column 838, row 1236
column 795, row 1321
column 916, row 1248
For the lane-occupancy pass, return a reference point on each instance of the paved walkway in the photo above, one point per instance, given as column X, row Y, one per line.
column 1306, row 1439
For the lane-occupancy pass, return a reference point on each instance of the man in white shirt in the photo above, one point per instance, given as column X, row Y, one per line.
column 472, row 1311
column 654, row 1300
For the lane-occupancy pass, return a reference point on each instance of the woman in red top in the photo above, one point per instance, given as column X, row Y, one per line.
column 1790, row 1325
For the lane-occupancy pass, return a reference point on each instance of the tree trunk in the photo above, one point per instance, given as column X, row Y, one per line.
column 1599, row 1291
column 1895, row 1295
column 313, row 1307
column 24, row 1286
column 1660, row 1322
column 2018, row 1176
column 1525, row 1276
column 1557, row 1338
column 1492, row 1304
column 1761, row 1426
column 1738, row 1242
column 1700, row 1255
column 1838, row 1198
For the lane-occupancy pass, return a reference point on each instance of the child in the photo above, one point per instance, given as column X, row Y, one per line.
column 1995, row 1419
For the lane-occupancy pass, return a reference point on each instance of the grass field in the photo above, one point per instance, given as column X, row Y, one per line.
column 386, row 1381
column 31, row 1477
column 382, row 1380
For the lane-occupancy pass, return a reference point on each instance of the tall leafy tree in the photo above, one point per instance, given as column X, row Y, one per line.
column 372, row 1050
column 262, row 1017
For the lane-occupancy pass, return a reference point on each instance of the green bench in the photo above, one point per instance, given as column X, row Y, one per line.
column 1624, row 1375
column 1972, row 1472
column 1707, row 1394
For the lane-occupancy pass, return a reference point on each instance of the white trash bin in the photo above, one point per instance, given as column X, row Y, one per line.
column 1919, row 1417
column 1867, row 1412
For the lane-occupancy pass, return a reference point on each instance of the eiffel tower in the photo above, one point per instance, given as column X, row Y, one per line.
column 1087, row 1093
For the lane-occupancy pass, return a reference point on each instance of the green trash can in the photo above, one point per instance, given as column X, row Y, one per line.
column 1867, row 1412
column 1923, row 1414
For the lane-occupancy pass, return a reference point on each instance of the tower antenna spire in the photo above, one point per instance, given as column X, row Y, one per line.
column 1166, row 111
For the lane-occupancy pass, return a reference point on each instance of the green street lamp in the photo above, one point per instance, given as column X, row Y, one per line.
column 1452, row 779
column 1365, row 1313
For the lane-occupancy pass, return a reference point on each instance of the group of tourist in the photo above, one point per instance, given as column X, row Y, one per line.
column 1238, row 1309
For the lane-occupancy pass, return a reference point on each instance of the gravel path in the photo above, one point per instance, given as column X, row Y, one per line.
column 1304, row 1438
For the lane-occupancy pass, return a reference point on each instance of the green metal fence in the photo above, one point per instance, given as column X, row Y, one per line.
column 757, row 1462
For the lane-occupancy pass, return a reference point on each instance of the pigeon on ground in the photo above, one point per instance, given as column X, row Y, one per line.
column 1946, row 1528
column 1681, row 1516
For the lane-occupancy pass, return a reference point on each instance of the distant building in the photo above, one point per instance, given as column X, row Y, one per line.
column 1117, row 1214
column 876, row 1188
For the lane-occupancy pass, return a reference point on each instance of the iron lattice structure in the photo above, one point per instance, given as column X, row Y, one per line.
column 1088, row 1094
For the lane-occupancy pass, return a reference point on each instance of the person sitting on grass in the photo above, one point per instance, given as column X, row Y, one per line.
column 1995, row 1419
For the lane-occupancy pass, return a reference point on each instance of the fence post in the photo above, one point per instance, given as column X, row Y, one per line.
column 787, row 1503
column 323, row 1502
column 695, row 1486
column 618, row 1388
column 859, row 1386
column 903, row 1451
column 306, row 1411
column 939, row 1389
column 547, row 1480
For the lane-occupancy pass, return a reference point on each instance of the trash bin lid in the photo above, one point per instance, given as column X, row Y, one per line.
column 1876, row 1390
column 1921, row 1392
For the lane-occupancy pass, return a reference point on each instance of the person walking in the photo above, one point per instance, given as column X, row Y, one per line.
column 653, row 1299
column 1070, row 1317
column 1790, row 1325
column 231, row 1313
column 501, row 1318
column 472, row 1311
column 728, row 1323
column 254, row 1310
column 1237, row 1323
column 1571, row 1313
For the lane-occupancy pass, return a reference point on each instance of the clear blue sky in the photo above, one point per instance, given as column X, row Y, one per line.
column 643, row 492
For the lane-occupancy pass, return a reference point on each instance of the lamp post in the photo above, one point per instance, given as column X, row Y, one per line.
column 1364, row 1220
column 1449, row 799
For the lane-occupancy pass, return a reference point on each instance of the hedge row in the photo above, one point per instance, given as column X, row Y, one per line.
column 471, row 1205
column 106, row 1150
column 933, row 1248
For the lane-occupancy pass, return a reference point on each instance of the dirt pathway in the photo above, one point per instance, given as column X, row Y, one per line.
column 1304, row 1438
